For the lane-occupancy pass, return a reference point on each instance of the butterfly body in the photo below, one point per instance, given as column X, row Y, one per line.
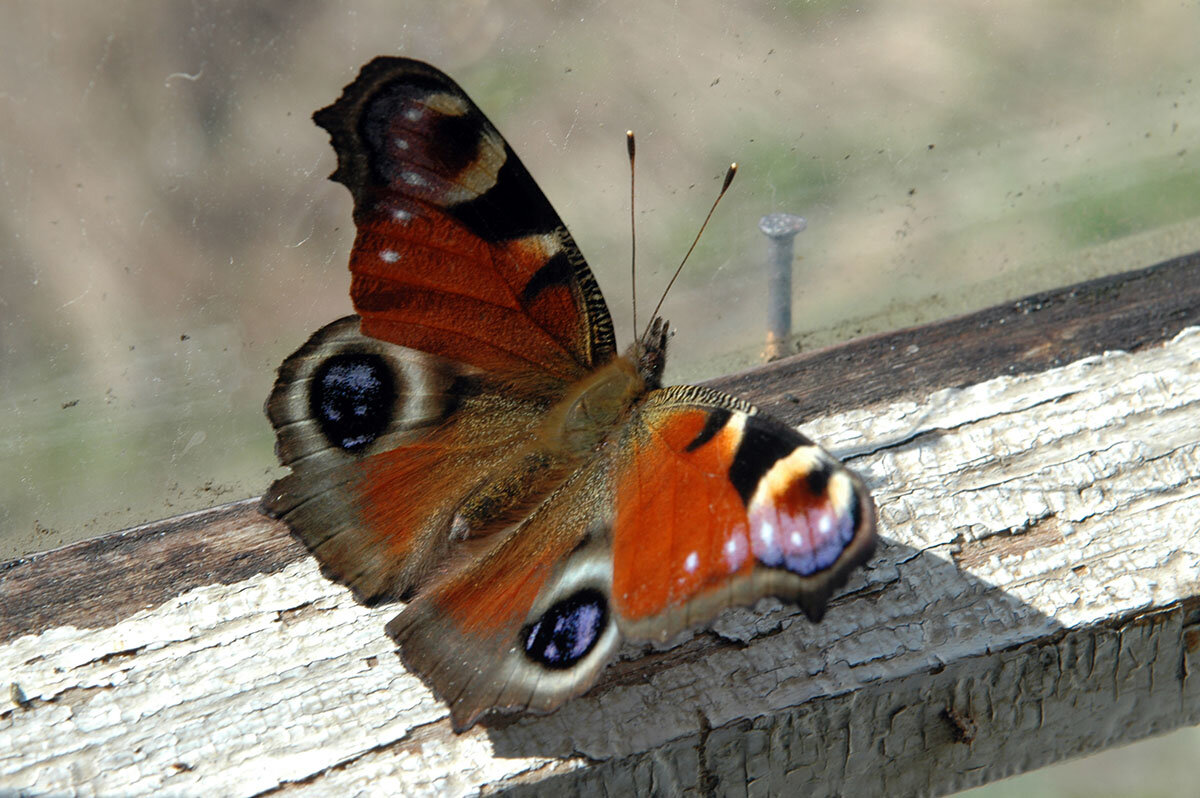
column 473, row 443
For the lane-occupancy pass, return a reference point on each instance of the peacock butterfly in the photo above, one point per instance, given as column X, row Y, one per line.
column 472, row 442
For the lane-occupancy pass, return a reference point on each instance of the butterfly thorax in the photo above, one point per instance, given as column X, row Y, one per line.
column 603, row 401
column 595, row 407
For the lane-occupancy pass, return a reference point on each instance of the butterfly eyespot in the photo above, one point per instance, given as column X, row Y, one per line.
column 568, row 631
column 353, row 399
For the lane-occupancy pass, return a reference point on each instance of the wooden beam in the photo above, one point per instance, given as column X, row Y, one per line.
column 1037, row 597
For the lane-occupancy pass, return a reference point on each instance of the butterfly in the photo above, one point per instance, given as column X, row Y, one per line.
column 473, row 443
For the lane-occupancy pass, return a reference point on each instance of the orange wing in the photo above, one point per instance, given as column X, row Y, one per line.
column 718, row 505
column 458, row 252
column 527, row 625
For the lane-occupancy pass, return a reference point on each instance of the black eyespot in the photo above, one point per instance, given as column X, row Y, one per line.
column 568, row 630
column 352, row 398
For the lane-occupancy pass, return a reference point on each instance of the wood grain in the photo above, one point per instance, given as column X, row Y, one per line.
column 97, row 582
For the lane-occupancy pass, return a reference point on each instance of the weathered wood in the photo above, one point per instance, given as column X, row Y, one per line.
column 99, row 581
column 1037, row 596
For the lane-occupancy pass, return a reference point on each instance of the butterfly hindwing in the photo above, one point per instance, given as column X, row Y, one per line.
column 526, row 625
column 458, row 252
column 395, row 454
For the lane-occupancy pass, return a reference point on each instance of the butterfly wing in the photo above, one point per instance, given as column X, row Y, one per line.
column 701, row 503
column 527, row 625
column 418, row 434
column 719, row 505
column 412, row 427
column 395, row 455
column 458, row 252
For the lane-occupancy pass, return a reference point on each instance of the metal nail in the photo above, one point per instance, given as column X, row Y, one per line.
column 781, row 230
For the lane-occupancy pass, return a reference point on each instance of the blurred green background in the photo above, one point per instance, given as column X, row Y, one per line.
column 169, row 235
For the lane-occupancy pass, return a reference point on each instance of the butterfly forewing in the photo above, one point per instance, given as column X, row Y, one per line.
column 458, row 252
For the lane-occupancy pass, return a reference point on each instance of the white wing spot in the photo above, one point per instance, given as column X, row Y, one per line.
column 413, row 114
column 389, row 256
column 691, row 563
column 825, row 525
column 401, row 215
column 735, row 552
column 414, row 179
column 401, row 144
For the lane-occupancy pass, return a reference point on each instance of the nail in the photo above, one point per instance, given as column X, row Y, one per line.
column 781, row 230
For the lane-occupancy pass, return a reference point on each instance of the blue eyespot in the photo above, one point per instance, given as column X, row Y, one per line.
column 568, row 630
column 353, row 398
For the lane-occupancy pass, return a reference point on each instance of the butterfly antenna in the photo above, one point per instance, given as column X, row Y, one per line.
column 631, row 146
column 724, row 187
